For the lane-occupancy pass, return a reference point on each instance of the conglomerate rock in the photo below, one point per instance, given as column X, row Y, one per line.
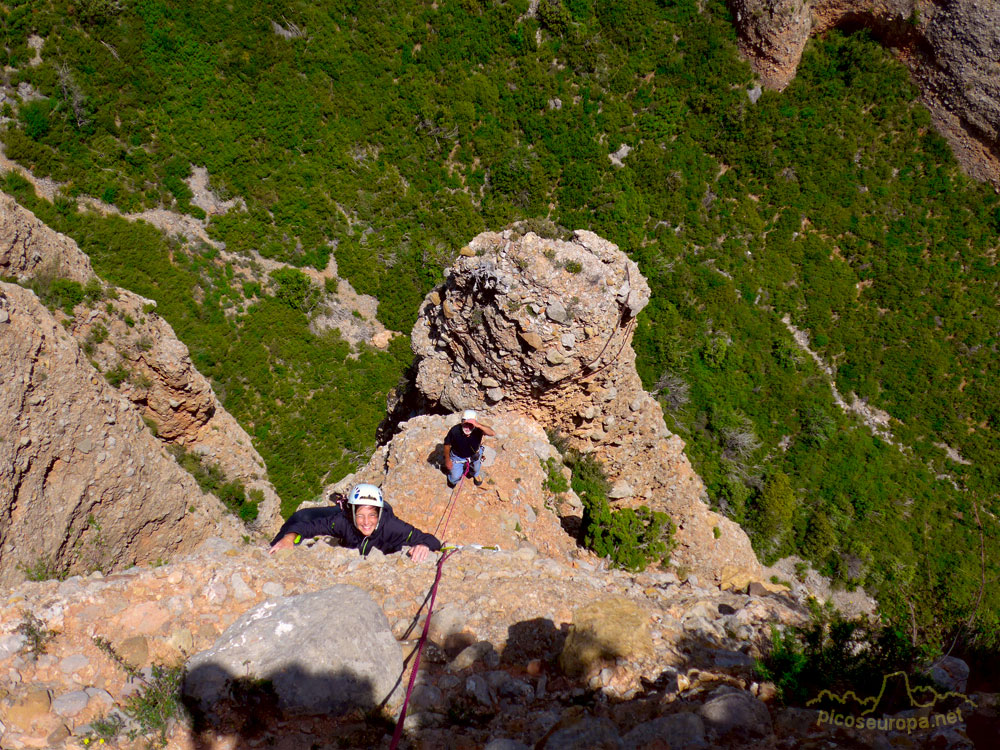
column 543, row 327
column 510, row 508
column 28, row 248
column 162, row 382
column 83, row 484
column 489, row 673
column 499, row 625
column 950, row 47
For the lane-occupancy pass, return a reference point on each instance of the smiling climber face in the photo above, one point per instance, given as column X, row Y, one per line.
column 366, row 519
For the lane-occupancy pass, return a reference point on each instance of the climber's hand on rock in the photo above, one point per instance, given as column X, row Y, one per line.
column 419, row 553
column 286, row 542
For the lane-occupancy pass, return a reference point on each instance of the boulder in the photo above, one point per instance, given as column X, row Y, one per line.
column 684, row 731
column 326, row 652
column 590, row 732
column 736, row 714
column 950, row 673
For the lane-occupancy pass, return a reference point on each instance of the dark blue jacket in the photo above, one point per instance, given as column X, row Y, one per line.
column 391, row 534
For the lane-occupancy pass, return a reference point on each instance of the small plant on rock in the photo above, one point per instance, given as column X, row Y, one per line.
column 43, row 569
column 555, row 482
column 157, row 704
column 36, row 635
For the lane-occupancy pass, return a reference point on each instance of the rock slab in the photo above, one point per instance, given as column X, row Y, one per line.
column 326, row 652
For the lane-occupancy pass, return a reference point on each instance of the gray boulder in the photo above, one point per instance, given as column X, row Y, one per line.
column 590, row 732
column 326, row 652
column 679, row 731
column 738, row 713
column 950, row 673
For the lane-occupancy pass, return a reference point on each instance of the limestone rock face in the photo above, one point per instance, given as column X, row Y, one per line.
column 28, row 248
column 124, row 334
column 950, row 48
column 326, row 652
column 83, row 484
column 169, row 392
column 543, row 328
column 509, row 508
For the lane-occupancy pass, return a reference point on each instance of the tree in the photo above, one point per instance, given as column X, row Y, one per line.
column 774, row 512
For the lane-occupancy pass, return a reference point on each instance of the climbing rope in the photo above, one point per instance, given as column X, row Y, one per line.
column 452, row 501
column 398, row 734
column 448, row 551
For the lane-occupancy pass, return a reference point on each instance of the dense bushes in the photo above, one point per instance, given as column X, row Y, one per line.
column 629, row 538
column 840, row 656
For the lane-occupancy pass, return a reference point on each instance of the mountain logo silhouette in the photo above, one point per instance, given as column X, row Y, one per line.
column 896, row 682
column 850, row 710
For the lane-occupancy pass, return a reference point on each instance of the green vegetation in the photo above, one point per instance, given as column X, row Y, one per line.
column 36, row 635
column 389, row 134
column 555, row 482
column 154, row 706
column 629, row 538
column 211, row 479
column 840, row 655
column 43, row 569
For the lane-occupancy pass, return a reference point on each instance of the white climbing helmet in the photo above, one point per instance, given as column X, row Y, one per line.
column 365, row 494
column 469, row 415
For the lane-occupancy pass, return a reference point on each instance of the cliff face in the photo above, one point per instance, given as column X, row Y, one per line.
column 123, row 333
column 83, row 484
column 543, row 328
column 28, row 248
column 950, row 47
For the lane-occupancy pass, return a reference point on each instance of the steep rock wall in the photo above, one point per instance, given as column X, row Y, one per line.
column 28, row 248
column 950, row 46
column 124, row 331
column 83, row 484
column 543, row 327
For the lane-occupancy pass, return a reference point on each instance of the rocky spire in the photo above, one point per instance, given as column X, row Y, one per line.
column 543, row 328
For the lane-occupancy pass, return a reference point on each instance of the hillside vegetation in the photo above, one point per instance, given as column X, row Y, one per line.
column 391, row 133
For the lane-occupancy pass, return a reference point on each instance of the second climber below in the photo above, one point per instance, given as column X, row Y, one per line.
column 463, row 446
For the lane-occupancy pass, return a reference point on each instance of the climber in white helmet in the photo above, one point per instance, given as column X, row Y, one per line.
column 367, row 522
column 463, row 446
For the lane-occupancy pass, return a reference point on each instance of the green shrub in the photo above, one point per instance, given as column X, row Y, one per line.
column 836, row 654
column 117, row 375
column 629, row 538
column 555, row 482
column 43, row 569
column 36, row 635
column 211, row 479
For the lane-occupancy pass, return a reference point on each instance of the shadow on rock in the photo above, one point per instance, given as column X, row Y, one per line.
column 255, row 710
column 538, row 638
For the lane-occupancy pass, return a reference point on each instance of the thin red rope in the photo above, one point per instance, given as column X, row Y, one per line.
column 452, row 502
column 398, row 734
